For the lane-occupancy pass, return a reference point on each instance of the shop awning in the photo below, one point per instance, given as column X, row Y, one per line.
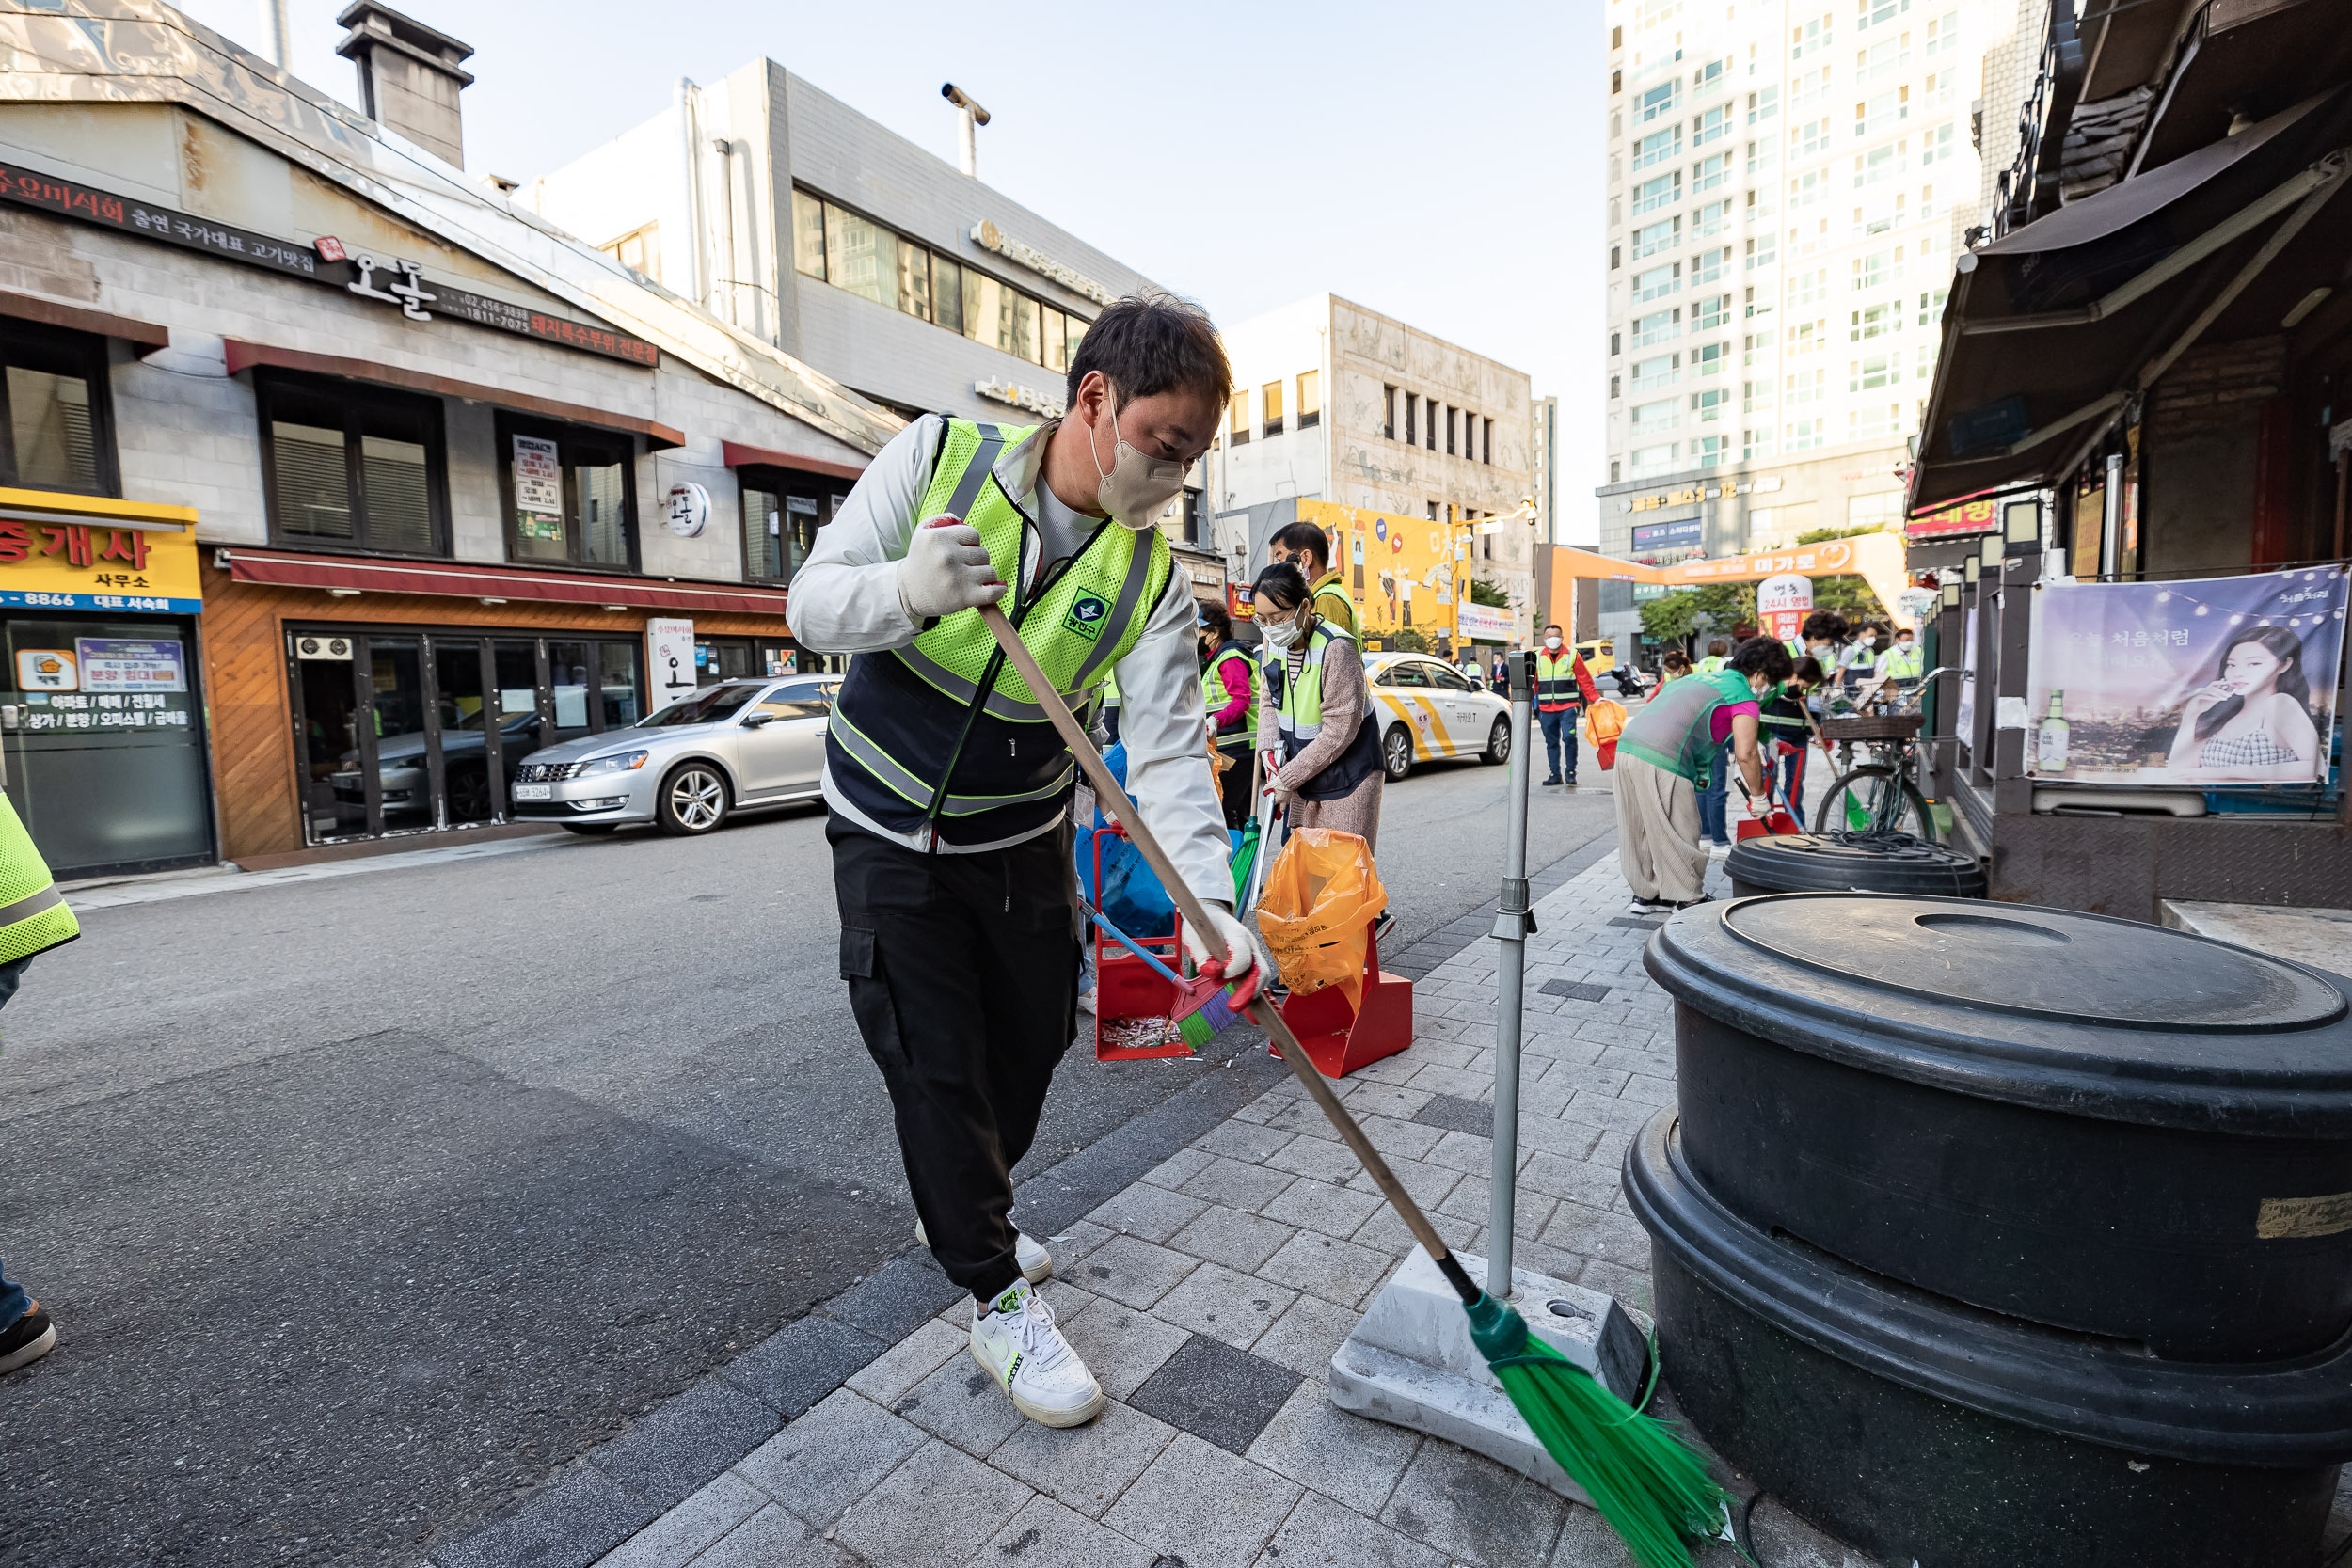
column 32, row 308
column 737, row 455
column 2052, row 332
column 242, row 354
column 280, row 569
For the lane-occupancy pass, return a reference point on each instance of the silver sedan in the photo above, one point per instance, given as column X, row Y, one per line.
column 737, row 746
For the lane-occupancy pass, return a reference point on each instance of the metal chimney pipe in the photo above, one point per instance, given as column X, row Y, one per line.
column 967, row 145
column 277, row 32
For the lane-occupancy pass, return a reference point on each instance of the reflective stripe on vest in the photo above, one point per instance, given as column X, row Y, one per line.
column 1555, row 683
column 1214, row 695
column 912, row 737
column 34, row 918
column 1901, row 663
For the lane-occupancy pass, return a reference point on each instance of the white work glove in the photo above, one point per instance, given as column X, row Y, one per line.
column 1231, row 935
column 1284, row 791
column 947, row 569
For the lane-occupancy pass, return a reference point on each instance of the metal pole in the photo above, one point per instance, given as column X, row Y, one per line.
column 1514, row 922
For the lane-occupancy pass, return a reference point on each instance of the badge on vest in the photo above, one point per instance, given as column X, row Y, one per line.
column 1086, row 616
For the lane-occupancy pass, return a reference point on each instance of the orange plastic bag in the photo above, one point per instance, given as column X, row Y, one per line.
column 1321, row 898
column 1604, row 720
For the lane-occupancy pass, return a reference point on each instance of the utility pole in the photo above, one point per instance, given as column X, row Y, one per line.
column 278, row 29
column 968, row 144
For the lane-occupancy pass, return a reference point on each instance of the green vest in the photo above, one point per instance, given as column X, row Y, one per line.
column 1331, row 602
column 1555, row 682
column 33, row 913
column 1298, row 716
column 945, row 731
column 1213, row 695
column 1709, row 665
column 1901, row 663
column 1675, row 730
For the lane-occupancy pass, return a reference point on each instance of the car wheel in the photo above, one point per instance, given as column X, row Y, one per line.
column 590, row 830
column 1498, row 742
column 1396, row 752
column 693, row 800
column 469, row 795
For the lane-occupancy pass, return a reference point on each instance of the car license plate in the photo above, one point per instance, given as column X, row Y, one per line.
column 535, row 792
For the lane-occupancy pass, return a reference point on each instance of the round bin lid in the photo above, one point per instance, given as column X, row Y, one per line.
column 2102, row 1016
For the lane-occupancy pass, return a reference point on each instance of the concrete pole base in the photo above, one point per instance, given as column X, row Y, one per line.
column 1411, row 1363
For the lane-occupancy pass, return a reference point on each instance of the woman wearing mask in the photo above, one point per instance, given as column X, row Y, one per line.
column 1315, row 728
column 1229, row 691
column 2252, row 724
column 1673, row 665
column 1661, row 756
column 1788, row 727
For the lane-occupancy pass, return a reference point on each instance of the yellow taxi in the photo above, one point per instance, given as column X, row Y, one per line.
column 1600, row 654
column 1428, row 709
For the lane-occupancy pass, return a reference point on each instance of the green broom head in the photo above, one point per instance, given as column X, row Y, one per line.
column 1652, row 1489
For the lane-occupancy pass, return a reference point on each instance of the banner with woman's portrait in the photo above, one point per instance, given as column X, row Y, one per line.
column 2205, row 682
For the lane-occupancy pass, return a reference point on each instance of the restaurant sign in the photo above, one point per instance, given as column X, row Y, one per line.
column 1953, row 522
column 399, row 283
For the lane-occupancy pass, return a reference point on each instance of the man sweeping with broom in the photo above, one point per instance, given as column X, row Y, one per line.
column 949, row 787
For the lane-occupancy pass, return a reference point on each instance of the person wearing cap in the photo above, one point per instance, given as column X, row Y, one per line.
column 1229, row 691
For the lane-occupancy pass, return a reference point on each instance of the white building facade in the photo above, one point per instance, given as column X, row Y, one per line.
column 1787, row 185
column 1337, row 403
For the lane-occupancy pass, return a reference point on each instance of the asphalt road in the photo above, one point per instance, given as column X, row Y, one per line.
column 364, row 1202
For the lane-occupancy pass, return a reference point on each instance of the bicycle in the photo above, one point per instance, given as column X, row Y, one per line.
column 1878, row 795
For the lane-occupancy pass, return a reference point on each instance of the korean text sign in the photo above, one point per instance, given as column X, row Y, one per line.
column 2202, row 682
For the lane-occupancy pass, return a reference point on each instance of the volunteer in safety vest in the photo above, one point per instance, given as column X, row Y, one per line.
column 1663, row 756
column 1229, row 691
column 33, row 919
column 1557, row 704
column 1903, row 662
column 1317, row 729
column 1307, row 547
column 950, row 790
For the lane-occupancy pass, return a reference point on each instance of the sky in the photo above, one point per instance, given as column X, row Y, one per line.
column 1438, row 163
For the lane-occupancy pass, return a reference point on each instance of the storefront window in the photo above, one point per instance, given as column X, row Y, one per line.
column 404, row 732
column 354, row 467
column 58, row 429
column 568, row 496
column 100, row 743
column 782, row 511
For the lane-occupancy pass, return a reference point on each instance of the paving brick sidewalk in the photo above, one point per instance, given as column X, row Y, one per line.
column 1208, row 1297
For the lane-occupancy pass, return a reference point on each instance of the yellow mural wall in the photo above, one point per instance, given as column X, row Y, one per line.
column 1401, row 571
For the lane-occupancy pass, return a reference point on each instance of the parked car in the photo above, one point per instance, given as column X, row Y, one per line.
column 738, row 745
column 1428, row 709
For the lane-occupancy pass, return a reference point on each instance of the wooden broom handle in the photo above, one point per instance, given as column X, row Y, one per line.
column 1262, row 1012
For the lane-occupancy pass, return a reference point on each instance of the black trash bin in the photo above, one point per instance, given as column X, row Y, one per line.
column 2090, row 1123
column 1923, row 1431
column 1842, row 861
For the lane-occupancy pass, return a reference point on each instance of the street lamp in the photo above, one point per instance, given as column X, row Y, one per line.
column 1523, row 512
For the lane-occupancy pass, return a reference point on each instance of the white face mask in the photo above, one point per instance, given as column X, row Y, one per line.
column 1138, row 487
column 1283, row 634
column 1553, row 642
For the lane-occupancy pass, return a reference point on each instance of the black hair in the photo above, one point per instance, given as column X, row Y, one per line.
column 1765, row 656
column 1826, row 624
column 1219, row 622
column 1551, row 625
column 2286, row 646
column 1150, row 343
column 1809, row 671
column 1298, row 537
column 1283, row 584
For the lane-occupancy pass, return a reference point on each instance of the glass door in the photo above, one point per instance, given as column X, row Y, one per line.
column 471, row 754
column 399, row 764
column 98, row 745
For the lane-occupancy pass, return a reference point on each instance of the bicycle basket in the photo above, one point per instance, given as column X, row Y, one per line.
column 1873, row 726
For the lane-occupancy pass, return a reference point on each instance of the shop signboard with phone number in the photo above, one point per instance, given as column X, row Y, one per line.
column 47, row 565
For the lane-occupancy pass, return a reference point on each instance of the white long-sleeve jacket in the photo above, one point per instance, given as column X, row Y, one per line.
column 844, row 599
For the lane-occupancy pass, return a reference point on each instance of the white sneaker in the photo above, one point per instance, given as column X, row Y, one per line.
column 1649, row 906
column 1016, row 1340
column 1036, row 1264
column 1717, row 852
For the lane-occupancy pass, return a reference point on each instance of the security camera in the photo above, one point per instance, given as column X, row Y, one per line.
column 954, row 94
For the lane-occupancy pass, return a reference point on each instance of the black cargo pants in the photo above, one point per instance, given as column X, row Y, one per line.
column 964, row 974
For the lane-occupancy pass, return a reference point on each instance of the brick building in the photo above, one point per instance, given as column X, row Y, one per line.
column 338, row 483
